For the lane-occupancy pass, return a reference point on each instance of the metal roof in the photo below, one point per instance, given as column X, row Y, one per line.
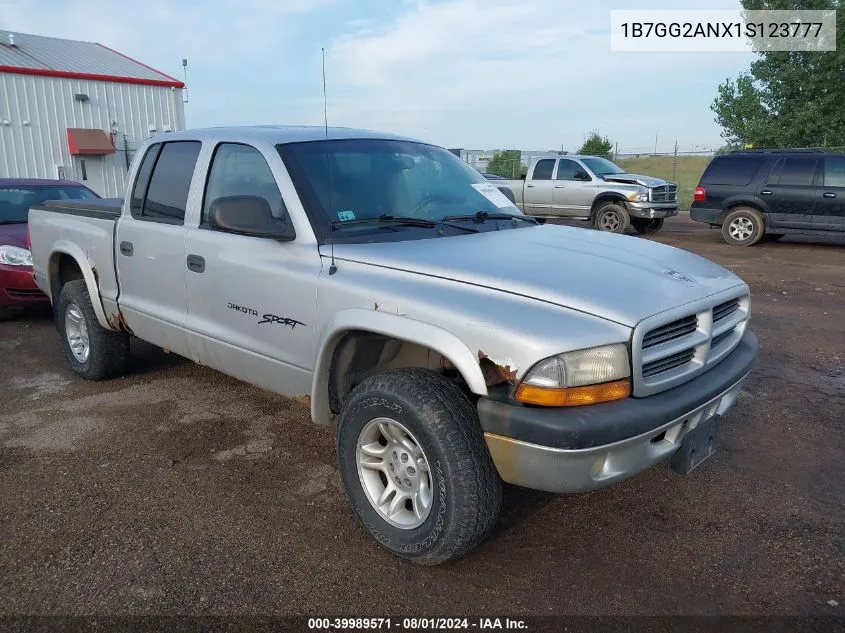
column 277, row 134
column 51, row 56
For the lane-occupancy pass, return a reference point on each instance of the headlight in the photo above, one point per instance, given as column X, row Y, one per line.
column 638, row 196
column 14, row 256
column 587, row 376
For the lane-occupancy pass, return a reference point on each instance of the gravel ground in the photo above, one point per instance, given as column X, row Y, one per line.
column 179, row 490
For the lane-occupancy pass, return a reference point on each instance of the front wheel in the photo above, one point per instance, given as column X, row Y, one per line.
column 645, row 226
column 93, row 351
column 415, row 466
column 612, row 217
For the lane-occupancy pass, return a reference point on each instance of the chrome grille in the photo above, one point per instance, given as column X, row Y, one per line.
column 724, row 310
column 671, row 331
column 675, row 346
column 669, row 363
column 664, row 193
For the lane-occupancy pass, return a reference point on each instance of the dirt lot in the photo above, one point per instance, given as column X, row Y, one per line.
column 179, row 490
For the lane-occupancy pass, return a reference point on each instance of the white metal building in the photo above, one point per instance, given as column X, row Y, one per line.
column 78, row 110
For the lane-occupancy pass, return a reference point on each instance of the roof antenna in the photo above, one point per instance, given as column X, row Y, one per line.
column 333, row 266
column 325, row 103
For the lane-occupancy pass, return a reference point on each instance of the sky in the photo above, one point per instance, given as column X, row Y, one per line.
column 476, row 74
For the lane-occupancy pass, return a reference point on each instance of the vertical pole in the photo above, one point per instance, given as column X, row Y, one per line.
column 325, row 103
column 126, row 152
column 616, row 152
column 655, row 141
column 675, row 163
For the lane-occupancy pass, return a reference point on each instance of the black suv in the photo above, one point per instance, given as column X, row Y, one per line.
column 764, row 194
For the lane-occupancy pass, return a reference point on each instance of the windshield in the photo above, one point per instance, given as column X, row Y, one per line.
column 15, row 201
column 347, row 181
column 602, row 166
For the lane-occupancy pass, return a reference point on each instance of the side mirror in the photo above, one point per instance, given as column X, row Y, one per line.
column 582, row 175
column 523, row 176
column 248, row 215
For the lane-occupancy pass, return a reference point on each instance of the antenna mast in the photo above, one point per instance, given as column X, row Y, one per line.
column 325, row 103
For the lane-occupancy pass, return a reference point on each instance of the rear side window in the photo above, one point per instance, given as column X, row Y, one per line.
column 543, row 169
column 566, row 169
column 834, row 171
column 139, row 191
column 794, row 171
column 734, row 170
column 167, row 195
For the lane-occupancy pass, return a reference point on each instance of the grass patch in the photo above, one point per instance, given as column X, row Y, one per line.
column 687, row 173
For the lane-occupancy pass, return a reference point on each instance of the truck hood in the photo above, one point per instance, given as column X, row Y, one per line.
column 13, row 235
column 616, row 277
column 637, row 179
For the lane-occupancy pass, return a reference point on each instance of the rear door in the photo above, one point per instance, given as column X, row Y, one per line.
column 252, row 301
column 537, row 198
column 573, row 196
column 790, row 192
column 830, row 199
column 151, row 246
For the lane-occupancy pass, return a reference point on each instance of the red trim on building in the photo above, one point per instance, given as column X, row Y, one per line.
column 135, row 61
column 48, row 72
column 89, row 142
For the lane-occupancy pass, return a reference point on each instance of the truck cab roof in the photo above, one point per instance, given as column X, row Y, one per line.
column 278, row 134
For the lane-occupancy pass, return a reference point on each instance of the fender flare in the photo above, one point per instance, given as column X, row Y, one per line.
column 73, row 251
column 400, row 327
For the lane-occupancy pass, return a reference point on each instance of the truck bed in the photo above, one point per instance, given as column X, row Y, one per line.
column 83, row 230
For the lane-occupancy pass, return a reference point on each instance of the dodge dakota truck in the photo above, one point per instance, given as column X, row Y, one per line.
column 453, row 341
column 593, row 189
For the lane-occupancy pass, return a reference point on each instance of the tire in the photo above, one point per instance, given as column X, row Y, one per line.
column 645, row 226
column 612, row 218
column 107, row 350
column 743, row 226
column 6, row 314
column 441, row 430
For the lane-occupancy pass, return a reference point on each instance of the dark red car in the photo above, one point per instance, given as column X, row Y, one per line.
column 17, row 288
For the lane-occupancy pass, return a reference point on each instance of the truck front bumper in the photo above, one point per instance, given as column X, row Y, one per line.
column 583, row 448
column 652, row 210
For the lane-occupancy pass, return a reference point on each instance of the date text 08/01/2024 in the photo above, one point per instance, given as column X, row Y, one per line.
column 412, row 624
column 722, row 29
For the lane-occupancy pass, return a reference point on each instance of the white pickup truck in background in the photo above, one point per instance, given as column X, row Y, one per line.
column 593, row 189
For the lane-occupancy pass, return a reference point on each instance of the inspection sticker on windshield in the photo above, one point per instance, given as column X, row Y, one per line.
column 493, row 194
column 345, row 216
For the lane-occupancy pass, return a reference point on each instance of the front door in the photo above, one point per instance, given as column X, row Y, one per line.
column 90, row 171
column 151, row 246
column 790, row 192
column 830, row 200
column 574, row 191
column 537, row 194
column 252, row 304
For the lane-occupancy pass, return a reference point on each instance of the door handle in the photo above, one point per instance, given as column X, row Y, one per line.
column 829, row 194
column 560, row 186
column 530, row 185
column 126, row 248
column 196, row 263
column 765, row 192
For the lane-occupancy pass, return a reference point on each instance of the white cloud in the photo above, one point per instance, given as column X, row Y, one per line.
column 503, row 73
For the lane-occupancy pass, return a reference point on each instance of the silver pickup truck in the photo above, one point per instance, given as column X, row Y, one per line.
column 593, row 189
column 454, row 341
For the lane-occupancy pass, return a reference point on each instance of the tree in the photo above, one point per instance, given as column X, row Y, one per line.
column 507, row 163
column 597, row 145
column 787, row 98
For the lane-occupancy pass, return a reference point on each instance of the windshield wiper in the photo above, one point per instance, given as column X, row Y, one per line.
column 481, row 216
column 401, row 220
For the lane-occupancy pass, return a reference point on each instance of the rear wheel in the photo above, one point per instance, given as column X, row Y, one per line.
column 743, row 226
column 644, row 226
column 415, row 466
column 612, row 218
column 93, row 351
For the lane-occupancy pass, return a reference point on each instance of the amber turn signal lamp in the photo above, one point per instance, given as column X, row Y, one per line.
column 573, row 396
